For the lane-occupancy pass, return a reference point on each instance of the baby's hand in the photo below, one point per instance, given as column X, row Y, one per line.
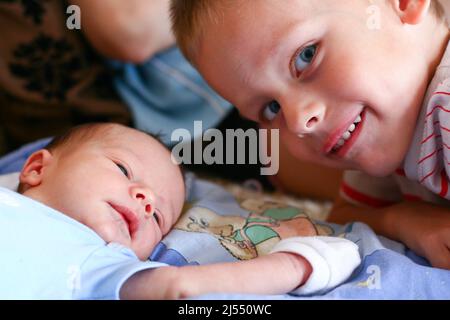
column 333, row 260
column 426, row 230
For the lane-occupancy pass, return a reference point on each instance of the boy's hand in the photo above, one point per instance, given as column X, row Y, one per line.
column 131, row 31
column 425, row 229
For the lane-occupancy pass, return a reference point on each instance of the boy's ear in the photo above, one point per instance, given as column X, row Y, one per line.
column 33, row 171
column 412, row 11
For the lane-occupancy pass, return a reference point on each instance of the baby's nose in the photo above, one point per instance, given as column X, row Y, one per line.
column 143, row 197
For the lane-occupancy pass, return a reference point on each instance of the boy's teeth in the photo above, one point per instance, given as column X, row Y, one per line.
column 346, row 135
column 352, row 127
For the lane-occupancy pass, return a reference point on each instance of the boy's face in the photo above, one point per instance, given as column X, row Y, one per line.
column 122, row 185
column 342, row 93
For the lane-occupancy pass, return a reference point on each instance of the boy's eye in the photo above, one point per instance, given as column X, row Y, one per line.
column 271, row 110
column 304, row 58
column 123, row 169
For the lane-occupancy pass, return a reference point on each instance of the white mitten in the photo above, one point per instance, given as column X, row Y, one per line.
column 332, row 259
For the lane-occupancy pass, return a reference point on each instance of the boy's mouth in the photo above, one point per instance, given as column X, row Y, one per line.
column 340, row 143
column 128, row 216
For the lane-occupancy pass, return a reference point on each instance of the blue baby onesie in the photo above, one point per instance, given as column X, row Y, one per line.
column 48, row 255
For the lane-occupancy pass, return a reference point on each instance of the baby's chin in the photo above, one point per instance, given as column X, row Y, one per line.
column 143, row 256
column 143, row 253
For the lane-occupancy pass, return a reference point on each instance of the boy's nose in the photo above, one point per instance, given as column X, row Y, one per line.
column 304, row 120
column 143, row 196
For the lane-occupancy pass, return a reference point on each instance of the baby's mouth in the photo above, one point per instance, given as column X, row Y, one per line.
column 128, row 216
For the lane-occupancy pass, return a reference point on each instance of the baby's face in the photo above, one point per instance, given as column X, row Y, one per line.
column 342, row 93
column 124, row 186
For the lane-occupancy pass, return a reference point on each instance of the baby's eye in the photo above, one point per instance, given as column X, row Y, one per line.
column 271, row 110
column 304, row 58
column 123, row 169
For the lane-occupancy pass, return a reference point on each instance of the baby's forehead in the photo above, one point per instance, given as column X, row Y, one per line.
column 144, row 151
column 118, row 136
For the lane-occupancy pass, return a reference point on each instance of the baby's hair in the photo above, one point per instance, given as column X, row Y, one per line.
column 80, row 133
column 191, row 17
column 73, row 135
column 86, row 132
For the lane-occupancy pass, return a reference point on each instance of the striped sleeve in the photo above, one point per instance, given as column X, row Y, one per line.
column 361, row 189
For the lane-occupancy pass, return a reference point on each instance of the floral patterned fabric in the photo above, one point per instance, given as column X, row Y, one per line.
column 50, row 79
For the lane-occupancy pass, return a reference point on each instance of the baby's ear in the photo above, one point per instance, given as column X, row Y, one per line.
column 33, row 170
column 412, row 11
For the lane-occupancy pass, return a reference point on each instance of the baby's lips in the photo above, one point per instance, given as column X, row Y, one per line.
column 130, row 217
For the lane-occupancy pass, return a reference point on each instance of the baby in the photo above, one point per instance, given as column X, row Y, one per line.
column 361, row 85
column 97, row 201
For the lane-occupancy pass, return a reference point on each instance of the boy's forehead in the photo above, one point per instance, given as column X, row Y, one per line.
column 267, row 11
column 261, row 25
column 238, row 50
column 239, row 16
column 247, row 44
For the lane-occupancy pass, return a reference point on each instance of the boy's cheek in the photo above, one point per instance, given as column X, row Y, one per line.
column 298, row 149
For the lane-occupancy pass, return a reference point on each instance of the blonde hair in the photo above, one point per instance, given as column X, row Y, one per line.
column 191, row 17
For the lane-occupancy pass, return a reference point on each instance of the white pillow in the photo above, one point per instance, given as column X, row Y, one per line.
column 10, row 181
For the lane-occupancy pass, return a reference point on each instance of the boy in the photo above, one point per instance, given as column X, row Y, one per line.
column 98, row 200
column 352, row 84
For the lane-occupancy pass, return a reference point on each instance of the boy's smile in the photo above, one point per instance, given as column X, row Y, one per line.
column 339, row 143
column 342, row 94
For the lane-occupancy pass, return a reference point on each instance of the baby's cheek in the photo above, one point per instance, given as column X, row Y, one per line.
column 150, row 234
column 150, row 237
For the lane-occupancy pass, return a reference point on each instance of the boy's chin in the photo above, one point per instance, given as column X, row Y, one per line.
column 382, row 168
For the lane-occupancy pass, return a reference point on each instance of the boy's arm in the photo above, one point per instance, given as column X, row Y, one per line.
column 423, row 227
column 270, row 274
column 131, row 30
